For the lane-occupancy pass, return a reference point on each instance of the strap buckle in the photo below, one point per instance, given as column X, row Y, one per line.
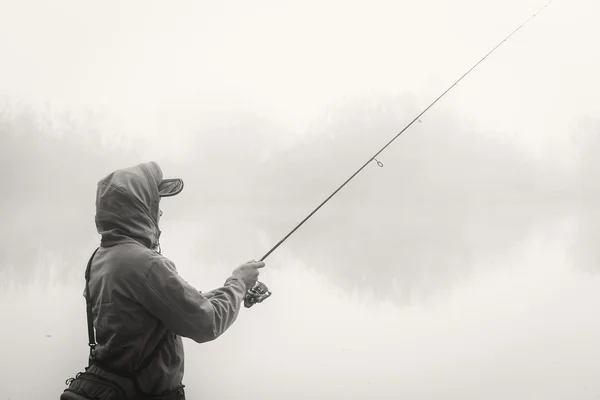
column 92, row 351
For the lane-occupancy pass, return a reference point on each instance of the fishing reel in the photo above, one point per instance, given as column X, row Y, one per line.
column 257, row 294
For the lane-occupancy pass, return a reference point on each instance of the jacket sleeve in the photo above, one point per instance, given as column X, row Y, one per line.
column 185, row 310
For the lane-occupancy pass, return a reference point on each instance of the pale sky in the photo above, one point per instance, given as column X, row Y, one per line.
column 161, row 69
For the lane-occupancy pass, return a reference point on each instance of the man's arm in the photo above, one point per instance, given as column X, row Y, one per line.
column 209, row 294
column 186, row 311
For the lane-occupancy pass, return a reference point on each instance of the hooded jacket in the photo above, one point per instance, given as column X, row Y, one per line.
column 137, row 295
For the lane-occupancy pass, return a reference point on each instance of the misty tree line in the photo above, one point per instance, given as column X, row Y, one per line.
column 426, row 204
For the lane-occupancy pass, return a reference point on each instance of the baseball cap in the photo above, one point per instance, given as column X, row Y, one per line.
column 170, row 187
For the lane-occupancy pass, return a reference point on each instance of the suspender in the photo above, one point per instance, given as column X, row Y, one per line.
column 90, row 317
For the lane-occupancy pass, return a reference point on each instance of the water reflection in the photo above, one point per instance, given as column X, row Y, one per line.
column 315, row 338
column 447, row 201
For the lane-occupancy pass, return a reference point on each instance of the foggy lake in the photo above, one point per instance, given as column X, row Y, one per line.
column 427, row 278
column 464, row 266
column 510, row 320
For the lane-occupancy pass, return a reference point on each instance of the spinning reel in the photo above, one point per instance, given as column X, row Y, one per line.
column 257, row 294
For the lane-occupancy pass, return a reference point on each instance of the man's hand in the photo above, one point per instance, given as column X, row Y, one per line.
column 248, row 272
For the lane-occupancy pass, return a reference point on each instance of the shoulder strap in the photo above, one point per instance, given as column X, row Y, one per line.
column 90, row 317
column 90, row 323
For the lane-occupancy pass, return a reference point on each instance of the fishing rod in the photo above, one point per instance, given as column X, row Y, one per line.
column 261, row 289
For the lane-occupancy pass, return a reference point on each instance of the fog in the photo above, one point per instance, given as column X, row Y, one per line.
column 465, row 267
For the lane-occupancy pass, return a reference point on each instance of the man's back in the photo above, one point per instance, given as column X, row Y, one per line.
column 126, row 331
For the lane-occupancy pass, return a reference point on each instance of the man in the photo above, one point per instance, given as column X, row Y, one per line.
column 141, row 306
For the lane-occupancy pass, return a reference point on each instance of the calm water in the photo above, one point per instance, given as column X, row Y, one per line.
column 502, row 307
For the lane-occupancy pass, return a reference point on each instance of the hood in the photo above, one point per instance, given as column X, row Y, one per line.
column 127, row 205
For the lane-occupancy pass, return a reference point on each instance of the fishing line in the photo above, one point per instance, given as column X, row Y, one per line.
column 379, row 163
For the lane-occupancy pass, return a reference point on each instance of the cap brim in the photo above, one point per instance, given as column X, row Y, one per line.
column 170, row 187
